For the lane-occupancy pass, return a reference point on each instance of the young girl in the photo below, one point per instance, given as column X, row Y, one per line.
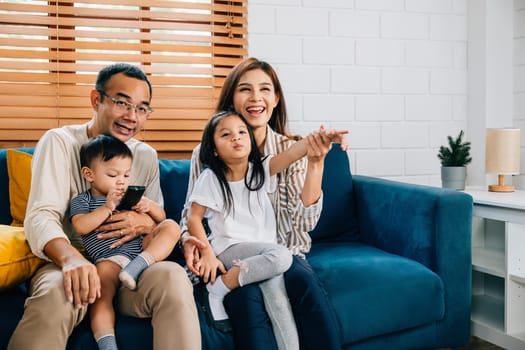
column 233, row 194
column 106, row 163
column 253, row 89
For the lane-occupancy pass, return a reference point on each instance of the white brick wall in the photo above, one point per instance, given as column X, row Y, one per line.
column 393, row 72
column 354, row 24
column 519, row 74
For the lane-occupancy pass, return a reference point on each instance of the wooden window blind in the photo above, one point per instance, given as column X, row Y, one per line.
column 50, row 53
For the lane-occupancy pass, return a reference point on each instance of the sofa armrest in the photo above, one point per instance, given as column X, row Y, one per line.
column 428, row 224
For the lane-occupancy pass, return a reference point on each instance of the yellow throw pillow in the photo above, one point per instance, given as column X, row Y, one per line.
column 17, row 262
column 19, row 171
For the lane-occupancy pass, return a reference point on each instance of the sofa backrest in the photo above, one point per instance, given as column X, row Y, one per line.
column 337, row 221
column 174, row 175
column 173, row 180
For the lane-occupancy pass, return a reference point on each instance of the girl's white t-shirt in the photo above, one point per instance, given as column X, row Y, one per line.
column 252, row 218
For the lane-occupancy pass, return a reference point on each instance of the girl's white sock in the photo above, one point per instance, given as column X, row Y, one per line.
column 216, row 294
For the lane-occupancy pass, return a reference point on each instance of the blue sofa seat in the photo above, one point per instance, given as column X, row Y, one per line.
column 356, row 271
column 394, row 259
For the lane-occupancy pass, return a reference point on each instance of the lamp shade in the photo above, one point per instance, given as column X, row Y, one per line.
column 502, row 151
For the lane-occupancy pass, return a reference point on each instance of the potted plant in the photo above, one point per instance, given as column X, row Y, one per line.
column 454, row 159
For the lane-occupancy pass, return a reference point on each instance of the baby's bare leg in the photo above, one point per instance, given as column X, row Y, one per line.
column 162, row 239
column 157, row 246
column 101, row 312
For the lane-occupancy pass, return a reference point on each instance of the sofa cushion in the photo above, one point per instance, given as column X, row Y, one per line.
column 19, row 172
column 17, row 262
column 338, row 219
column 5, row 210
column 374, row 292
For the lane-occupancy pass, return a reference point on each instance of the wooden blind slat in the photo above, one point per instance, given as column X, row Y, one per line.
column 187, row 59
column 44, row 31
column 27, row 135
column 123, row 46
column 29, row 123
column 237, row 5
column 11, row 88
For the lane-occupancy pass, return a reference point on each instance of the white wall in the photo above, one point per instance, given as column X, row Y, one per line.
column 519, row 78
column 490, row 78
column 394, row 72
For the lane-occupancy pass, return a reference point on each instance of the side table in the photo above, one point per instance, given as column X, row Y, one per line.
column 498, row 267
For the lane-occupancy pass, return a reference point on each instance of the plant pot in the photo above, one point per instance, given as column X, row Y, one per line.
column 453, row 177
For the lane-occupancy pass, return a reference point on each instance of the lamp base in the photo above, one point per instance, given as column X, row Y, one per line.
column 501, row 188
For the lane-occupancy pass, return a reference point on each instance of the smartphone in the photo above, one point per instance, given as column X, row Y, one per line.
column 131, row 197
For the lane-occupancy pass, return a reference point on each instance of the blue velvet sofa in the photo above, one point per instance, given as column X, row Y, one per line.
column 394, row 258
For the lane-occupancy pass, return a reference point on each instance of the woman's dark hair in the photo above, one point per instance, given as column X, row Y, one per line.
column 104, row 146
column 127, row 69
column 209, row 158
column 279, row 119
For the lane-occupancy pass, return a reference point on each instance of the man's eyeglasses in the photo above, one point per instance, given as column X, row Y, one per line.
column 122, row 106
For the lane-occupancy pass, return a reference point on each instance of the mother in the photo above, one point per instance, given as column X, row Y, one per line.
column 253, row 89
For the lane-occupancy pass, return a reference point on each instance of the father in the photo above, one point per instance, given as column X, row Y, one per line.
column 62, row 289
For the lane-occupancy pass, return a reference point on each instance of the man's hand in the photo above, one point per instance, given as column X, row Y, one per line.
column 126, row 225
column 191, row 247
column 81, row 282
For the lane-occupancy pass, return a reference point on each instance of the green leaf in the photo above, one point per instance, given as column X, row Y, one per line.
column 457, row 153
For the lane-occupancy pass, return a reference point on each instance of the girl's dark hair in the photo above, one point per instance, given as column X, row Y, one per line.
column 211, row 160
column 127, row 69
column 104, row 146
column 279, row 119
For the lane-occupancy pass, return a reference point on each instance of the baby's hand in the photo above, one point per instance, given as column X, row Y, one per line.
column 143, row 206
column 113, row 198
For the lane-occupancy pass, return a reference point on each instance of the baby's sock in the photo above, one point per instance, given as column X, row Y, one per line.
column 216, row 294
column 106, row 340
column 131, row 273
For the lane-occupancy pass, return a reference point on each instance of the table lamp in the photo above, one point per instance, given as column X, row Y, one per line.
column 502, row 156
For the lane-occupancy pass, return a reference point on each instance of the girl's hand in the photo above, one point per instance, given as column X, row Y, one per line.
column 143, row 206
column 209, row 265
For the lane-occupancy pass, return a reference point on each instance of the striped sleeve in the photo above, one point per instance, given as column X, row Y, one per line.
column 79, row 205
